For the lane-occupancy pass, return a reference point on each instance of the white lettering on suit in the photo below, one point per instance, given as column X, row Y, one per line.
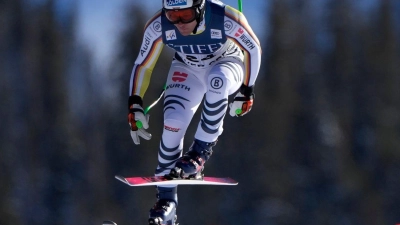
column 197, row 49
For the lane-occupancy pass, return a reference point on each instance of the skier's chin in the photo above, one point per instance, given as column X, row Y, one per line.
column 185, row 32
column 186, row 29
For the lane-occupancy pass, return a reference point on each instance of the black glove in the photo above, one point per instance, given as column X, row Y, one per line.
column 243, row 101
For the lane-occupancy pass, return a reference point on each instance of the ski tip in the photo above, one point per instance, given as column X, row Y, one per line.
column 121, row 178
column 109, row 222
column 233, row 182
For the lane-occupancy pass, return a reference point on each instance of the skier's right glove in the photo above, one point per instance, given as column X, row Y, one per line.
column 243, row 102
column 137, row 120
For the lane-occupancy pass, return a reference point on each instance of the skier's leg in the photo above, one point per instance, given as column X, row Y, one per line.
column 224, row 79
column 183, row 95
column 165, row 207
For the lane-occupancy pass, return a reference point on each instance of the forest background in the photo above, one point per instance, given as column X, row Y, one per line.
column 321, row 145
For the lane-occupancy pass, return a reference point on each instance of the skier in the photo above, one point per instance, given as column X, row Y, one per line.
column 216, row 55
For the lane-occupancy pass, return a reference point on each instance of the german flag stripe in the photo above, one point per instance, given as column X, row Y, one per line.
column 237, row 16
column 247, row 60
column 158, row 14
column 142, row 71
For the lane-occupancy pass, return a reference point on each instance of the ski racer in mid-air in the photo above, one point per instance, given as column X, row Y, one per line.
column 217, row 54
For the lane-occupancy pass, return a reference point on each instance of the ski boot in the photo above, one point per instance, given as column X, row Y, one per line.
column 164, row 211
column 191, row 164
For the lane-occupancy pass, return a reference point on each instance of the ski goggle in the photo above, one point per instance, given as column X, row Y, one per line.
column 180, row 15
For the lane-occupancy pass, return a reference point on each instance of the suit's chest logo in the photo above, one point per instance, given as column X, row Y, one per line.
column 170, row 35
column 216, row 34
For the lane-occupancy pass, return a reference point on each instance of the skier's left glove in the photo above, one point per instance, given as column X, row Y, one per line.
column 243, row 102
column 137, row 120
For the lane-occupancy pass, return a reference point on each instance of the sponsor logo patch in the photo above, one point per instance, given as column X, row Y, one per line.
column 197, row 49
column 239, row 32
column 178, row 86
column 245, row 40
column 172, row 129
column 170, row 35
column 173, row 3
column 179, row 77
column 157, row 26
column 145, row 46
column 228, row 25
column 216, row 34
column 217, row 83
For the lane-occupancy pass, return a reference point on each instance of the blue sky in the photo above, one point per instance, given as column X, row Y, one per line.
column 100, row 22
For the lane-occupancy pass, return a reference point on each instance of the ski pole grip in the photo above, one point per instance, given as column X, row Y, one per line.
column 139, row 124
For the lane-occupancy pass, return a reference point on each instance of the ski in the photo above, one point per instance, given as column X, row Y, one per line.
column 161, row 180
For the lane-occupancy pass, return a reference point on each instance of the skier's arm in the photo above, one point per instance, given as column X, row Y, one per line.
column 148, row 55
column 239, row 31
column 140, row 78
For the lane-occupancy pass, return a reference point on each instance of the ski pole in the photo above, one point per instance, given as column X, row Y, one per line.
column 240, row 5
column 147, row 109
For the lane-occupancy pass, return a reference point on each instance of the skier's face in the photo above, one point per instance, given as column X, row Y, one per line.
column 186, row 28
